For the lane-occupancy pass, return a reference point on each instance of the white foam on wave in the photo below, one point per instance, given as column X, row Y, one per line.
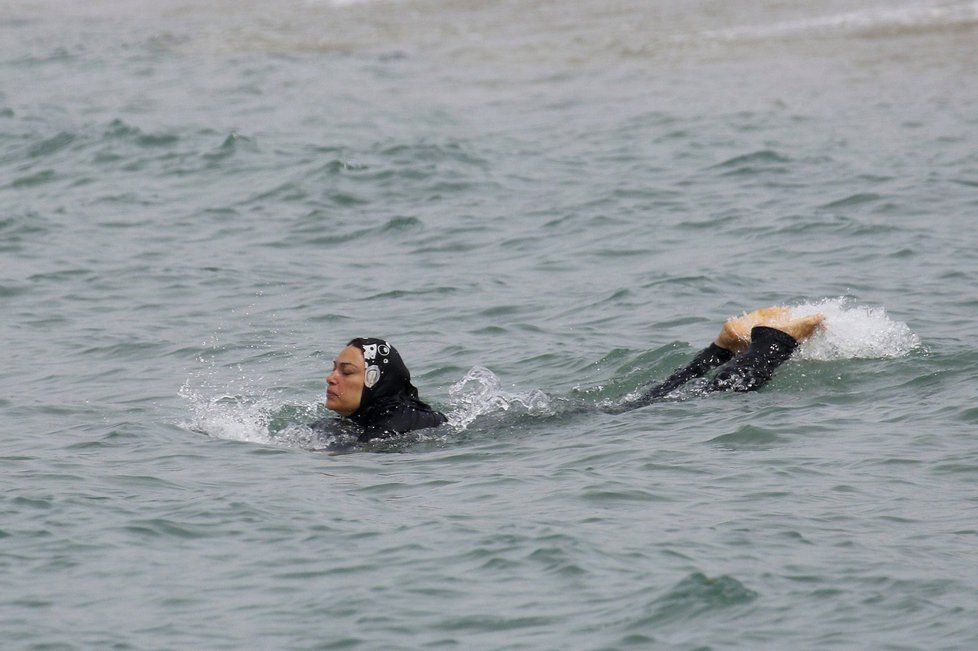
column 872, row 20
column 228, row 417
column 248, row 416
column 480, row 392
column 853, row 331
column 245, row 418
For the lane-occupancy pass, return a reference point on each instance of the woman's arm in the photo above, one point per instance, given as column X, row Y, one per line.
column 770, row 346
column 766, row 337
column 707, row 360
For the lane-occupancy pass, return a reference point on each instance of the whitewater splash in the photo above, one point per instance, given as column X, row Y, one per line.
column 854, row 332
column 261, row 418
column 480, row 392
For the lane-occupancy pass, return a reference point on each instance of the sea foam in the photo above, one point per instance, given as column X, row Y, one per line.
column 251, row 417
column 480, row 392
column 228, row 417
column 853, row 331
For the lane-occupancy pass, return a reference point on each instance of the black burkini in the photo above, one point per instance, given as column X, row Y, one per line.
column 390, row 403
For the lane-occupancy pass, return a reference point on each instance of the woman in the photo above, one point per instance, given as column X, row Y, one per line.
column 370, row 387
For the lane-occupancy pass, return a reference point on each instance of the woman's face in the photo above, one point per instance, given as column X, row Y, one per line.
column 344, row 386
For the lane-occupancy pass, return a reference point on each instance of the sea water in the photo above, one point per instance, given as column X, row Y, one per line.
column 545, row 206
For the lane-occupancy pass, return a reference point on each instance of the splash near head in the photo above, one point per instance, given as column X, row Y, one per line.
column 480, row 392
column 236, row 418
column 854, row 331
column 252, row 416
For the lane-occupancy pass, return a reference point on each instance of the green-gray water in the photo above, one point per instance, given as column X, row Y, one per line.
column 543, row 206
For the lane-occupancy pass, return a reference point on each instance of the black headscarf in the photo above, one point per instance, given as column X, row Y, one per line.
column 386, row 381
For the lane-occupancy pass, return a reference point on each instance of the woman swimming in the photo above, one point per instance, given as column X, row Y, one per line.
column 370, row 387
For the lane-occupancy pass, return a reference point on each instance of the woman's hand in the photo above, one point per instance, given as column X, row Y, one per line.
column 735, row 334
column 801, row 329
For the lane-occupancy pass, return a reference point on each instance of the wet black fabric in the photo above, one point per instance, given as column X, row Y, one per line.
column 769, row 348
column 707, row 360
column 389, row 404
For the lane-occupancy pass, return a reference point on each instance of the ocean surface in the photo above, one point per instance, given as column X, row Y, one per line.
column 545, row 206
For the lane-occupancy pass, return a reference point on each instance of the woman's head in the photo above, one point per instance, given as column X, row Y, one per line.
column 366, row 371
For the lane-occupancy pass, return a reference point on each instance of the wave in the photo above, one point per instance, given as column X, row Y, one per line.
column 269, row 418
column 480, row 392
column 262, row 418
column 869, row 22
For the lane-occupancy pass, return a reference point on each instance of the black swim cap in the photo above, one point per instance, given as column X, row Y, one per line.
column 385, row 376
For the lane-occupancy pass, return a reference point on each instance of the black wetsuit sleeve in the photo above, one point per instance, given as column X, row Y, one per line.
column 768, row 349
column 707, row 360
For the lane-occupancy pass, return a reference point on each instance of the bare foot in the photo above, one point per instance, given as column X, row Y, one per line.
column 800, row 329
column 735, row 335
